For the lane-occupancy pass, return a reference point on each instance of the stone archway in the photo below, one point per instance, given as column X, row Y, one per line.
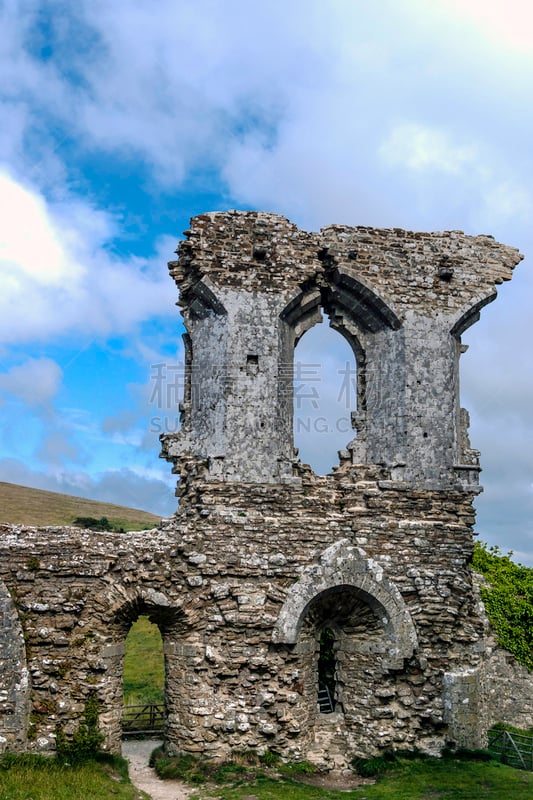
column 344, row 565
column 347, row 595
column 125, row 607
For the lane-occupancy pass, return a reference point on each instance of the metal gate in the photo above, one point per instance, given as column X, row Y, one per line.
column 514, row 749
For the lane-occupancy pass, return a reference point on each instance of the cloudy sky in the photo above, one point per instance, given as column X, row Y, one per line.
column 120, row 120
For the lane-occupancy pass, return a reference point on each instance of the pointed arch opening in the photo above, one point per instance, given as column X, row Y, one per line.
column 325, row 396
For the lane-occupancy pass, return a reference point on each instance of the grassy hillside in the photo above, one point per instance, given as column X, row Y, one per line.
column 19, row 504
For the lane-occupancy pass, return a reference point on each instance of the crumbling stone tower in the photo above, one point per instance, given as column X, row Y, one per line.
column 377, row 553
column 273, row 586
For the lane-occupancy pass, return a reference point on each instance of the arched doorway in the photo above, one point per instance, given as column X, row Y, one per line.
column 143, row 680
column 349, row 626
column 154, row 627
column 344, row 639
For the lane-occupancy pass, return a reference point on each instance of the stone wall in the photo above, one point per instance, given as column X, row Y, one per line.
column 14, row 684
column 262, row 555
column 508, row 691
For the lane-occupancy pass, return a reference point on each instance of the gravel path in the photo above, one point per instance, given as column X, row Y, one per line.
column 143, row 777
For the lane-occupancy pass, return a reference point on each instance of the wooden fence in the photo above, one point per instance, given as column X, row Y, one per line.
column 515, row 749
column 143, row 720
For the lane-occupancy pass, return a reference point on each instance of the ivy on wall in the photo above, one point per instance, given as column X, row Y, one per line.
column 508, row 600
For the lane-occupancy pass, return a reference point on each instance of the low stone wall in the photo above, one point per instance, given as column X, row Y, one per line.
column 508, row 691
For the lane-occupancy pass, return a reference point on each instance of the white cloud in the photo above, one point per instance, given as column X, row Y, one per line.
column 54, row 267
column 31, row 244
column 35, row 382
column 422, row 148
column 58, row 447
column 507, row 22
column 290, row 101
column 508, row 200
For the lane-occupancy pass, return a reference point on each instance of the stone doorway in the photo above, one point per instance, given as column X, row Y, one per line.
column 143, row 680
column 156, row 626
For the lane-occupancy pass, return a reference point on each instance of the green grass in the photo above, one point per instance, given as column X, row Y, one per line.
column 408, row 779
column 39, row 778
column 144, row 669
column 21, row 505
column 422, row 780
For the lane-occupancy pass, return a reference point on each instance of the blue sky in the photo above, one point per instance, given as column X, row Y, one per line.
column 121, row 120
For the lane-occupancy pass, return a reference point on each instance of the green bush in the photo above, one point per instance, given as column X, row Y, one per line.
column 269, row 758
column 508, row 600
column 93, row 524
column 87, row 740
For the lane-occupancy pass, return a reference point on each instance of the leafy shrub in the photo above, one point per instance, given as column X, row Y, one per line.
column 508, row 600
column 93, row 524
column 297, row 768
column 241, row 768
column 179, row 767
column 87, row 740
column 269, row 758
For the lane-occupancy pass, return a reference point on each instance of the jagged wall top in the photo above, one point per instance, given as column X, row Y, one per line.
column 257, row 251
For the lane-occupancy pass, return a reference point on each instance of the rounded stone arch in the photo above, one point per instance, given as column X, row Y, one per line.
column 14, row 677
column 125, row 605
column 344, row 565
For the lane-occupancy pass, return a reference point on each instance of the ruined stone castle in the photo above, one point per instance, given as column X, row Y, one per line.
column 266, row 565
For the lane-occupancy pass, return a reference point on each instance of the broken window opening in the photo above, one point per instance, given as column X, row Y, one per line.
column 252, row 364
column 325, row 396
column 326, row 672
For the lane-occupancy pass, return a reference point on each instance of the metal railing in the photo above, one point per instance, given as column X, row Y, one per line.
column 514, row 749
column 143, row 720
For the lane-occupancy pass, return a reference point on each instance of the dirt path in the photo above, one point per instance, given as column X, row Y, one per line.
column 143, row 777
